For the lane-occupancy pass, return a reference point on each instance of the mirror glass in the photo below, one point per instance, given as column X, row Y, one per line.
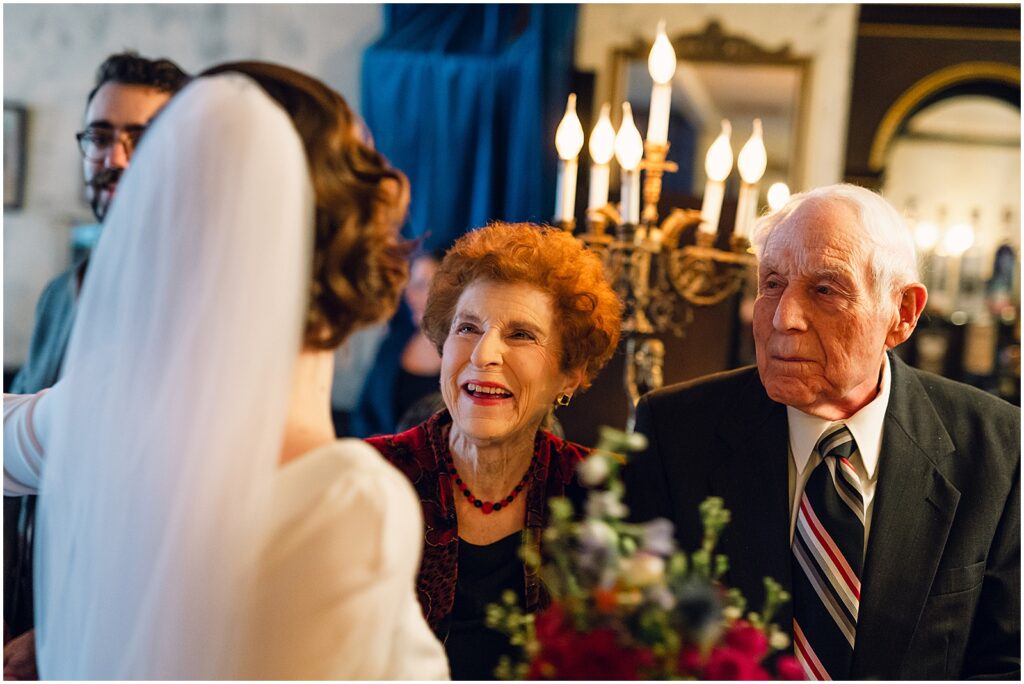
column 955, row 171
column 720, row 76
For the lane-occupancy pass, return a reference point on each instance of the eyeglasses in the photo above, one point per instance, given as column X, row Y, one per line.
column 96, row 143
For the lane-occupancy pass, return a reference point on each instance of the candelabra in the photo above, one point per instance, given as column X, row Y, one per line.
column 659, row 270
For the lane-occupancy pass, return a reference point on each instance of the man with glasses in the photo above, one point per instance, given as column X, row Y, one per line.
column 129, row 91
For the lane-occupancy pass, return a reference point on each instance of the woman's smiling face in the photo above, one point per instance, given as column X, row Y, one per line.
column 501, row 364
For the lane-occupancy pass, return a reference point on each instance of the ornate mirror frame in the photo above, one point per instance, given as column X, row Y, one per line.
column 714, row 46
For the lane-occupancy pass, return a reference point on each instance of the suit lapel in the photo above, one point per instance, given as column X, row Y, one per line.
column 913, row 511
column 753, row 479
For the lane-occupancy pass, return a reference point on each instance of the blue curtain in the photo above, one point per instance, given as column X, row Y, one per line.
column 465, row 100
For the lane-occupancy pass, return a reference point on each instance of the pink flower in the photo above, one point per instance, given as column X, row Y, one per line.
column 732, row 664
column 748, row 639
column 789, row 669
column 549, row 622
column 690, row 661
column 567, row 654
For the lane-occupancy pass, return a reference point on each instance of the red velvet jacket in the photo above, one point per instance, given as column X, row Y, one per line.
column 420, row 453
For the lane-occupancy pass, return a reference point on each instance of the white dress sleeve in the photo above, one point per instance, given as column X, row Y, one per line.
column 337, row 588
column 24, row 437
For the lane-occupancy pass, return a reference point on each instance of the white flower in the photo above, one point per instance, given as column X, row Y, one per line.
column 658, row 537
column 662, row 597
column 593, row 470
column 597, row 535
column 732, row 613
column 605, row 505
column 779, row 640
column 643, row 569
column 636, row 441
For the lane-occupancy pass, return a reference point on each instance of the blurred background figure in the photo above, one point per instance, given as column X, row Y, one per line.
column 407, row 367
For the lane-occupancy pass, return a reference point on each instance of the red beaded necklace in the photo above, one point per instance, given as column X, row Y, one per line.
column 486, row 507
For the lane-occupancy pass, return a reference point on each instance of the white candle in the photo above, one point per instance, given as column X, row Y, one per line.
column 746, row 210
column 752, row 162
column 661, row 103
column 711, row 207
column 629, row 151
column 717, row 165
column 565, row 197
column 602, row 148
column 568, row 142
column 661, row 63
column 599, row 174
column 630, row 190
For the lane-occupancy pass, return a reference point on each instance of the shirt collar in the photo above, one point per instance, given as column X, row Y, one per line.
column 865, row 426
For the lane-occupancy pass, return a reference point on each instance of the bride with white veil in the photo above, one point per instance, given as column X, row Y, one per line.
column 197, row 517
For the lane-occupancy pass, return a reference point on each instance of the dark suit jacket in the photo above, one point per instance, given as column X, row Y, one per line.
column 941, row 587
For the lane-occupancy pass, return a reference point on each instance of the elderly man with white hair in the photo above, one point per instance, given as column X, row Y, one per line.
column 885, row 498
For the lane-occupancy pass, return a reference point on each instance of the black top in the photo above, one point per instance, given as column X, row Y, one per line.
column 410, row 387
column 485, row 572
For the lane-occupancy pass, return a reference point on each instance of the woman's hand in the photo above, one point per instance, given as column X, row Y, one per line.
column 20, row 657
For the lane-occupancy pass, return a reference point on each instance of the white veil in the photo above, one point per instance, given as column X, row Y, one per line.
column 166, row 430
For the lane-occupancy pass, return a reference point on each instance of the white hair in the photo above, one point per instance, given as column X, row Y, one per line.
column 892, row 255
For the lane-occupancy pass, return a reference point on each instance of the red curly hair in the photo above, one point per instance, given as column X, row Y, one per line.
column 586, row 310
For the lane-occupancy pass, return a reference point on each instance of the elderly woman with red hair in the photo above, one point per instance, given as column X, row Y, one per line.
column 523, row 318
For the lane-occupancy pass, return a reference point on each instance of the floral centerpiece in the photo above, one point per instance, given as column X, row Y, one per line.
column 627, row 604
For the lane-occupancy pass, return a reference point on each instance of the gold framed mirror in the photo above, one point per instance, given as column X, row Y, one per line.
column 723, row 76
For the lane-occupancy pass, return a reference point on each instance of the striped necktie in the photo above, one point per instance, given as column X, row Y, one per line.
column 828, row 555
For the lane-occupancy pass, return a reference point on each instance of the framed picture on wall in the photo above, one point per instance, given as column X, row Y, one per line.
column 15, row 121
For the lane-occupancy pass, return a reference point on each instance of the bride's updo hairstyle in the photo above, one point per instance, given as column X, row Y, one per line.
column 360, row 264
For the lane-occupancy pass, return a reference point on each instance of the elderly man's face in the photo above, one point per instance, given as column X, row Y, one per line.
column 118, row 109
column 820, row 328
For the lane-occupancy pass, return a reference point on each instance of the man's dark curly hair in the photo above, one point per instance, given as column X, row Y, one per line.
column 129, row 68
column 360, row 264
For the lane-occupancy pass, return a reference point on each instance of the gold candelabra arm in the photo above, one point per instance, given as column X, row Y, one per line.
column 568, row 225
column 628, row 266
column 675, row 224
column 660, row 272
column 645, row 360
column 599, row 218
column 704, row 275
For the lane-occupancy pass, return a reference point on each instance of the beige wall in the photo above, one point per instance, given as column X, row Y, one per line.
column 824, row 33
column 50, row 57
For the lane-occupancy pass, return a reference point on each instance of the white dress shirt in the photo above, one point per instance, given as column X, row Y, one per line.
column 866, row 427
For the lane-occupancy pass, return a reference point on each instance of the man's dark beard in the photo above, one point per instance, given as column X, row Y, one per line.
column 99, row 182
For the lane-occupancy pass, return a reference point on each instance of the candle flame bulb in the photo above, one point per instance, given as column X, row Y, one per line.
column 778, row 193
column 569, row 135
column 718, row 162
column 926, row 235
column 602, row 138
column 959, row 238
column 753, row 157
column 661, row 62
column 629, row 145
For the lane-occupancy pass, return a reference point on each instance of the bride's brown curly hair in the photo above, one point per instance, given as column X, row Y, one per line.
column 360, row 264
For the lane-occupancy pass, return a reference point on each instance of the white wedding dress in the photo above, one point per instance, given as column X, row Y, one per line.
column 335, row 577
column 170, row 543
